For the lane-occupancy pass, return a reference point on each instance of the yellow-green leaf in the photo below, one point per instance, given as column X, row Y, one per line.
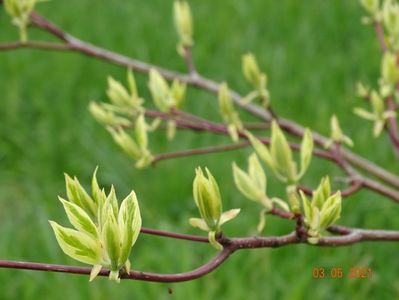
column 78, row 245
column 79, row 218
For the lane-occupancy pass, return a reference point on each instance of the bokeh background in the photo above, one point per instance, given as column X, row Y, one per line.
column 314, row 53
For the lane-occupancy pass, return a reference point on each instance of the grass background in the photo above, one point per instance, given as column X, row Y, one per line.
column 313, row 52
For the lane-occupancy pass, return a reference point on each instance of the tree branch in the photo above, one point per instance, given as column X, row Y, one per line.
column 135, row 275
column 198, row 151
column 180, row 236
column 349, row 236
column 392, row 126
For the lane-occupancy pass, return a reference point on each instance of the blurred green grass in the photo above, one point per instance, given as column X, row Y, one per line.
column 313, row 51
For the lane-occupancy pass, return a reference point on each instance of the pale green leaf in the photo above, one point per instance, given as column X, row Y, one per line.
column 98, row 194
column 306, row 151
column 245, row 184
column 281, row 203
column 262, row 151
column 129, row 221
column 132, row 83
column 364, row 114
column 262, row 220
column 78, row 245
column 256, row 172
column 95, row 271
column 229, row 215
column 79, row 218
column 307, row 208
column 281, row 153
column 199, row 223
column 111, row 240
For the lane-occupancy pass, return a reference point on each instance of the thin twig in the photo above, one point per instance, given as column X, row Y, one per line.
column 199, row 151
column 35, row 45
column 180, row 236
column 392, row 126
column 188, row 57
column 380, row 35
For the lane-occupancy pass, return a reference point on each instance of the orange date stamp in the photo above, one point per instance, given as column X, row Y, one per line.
column 341, row 273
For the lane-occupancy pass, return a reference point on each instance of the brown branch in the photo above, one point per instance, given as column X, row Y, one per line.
column 392, row 126
column 136, row 275
column 180, row 236
column 355, row 186
column 348, row 236
column 35, row 45
column 380, row 35
column 188, row 57
column 381, row 189
column 198, row 151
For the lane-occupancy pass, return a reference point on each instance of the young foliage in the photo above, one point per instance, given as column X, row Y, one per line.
column 256, row 78
column 228, row 113
column 278, row 157
column 19, row 11
column 135, row 146
column 183, row 24
column 322, row 211
column 379, row 115
column 209, row 202
column 104, row 234
column 166, row 98
column 337, row 136
column 252, row 185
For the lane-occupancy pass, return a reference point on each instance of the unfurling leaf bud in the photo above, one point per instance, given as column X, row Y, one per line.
column 160, row 91
column 178, row 91
column 208, row 200
column 306, row 151
column 256, row 78
column 278, row 157
column 282, row 154
column 322, row 211
column 117, row 93
column 106, row 116
column 183, row 23
column 228, row 113
column 252, row 184
column 166, row 98
column 106, row 238
column 124, row 100
column 379, row 115
column 337, row 136
column 19, row 11
column 136, row 148
column 125, row 142
column 141, row 132
column 252, row 72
